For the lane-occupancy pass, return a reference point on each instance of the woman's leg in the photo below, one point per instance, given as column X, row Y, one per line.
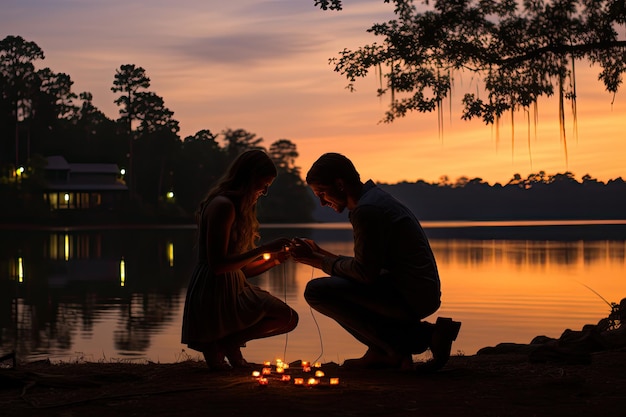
column 278, row 319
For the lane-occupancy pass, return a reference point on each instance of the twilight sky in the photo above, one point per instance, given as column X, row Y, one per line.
column 263, row 66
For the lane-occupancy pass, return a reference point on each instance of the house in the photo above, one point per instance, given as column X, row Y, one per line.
column 70, row 186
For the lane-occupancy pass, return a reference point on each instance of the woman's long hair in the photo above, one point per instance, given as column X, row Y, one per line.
column 237, row 184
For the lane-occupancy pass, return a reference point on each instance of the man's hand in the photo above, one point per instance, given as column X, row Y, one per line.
column 303, row 248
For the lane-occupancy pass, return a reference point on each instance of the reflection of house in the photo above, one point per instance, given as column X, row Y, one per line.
column 82, row 186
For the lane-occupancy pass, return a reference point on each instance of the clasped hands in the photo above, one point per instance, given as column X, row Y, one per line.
column 300, row 249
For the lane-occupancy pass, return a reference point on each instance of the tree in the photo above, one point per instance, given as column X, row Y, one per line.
column 522, row 51
column 158, row 146
column 92, row 137
column 201, row 163
column 239, row 140
column 289, row 199
column 18, row 81
column 129, row 80
column 284, row 153
column 52, row 110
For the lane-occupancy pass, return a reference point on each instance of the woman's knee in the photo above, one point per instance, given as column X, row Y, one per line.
column 293, row 320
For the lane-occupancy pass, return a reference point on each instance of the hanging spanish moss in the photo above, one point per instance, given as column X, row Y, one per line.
column 530, row 156
column 573, row 99
column 562, row 119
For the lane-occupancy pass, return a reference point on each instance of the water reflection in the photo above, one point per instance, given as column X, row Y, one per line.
column 97, row 293
column 119, row 294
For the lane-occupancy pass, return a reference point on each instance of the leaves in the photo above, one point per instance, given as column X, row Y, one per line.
column 519, row 52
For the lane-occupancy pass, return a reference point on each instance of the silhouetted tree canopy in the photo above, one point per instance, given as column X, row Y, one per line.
column 518, row 51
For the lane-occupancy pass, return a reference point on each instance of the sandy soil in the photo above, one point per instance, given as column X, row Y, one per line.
column 480, row 385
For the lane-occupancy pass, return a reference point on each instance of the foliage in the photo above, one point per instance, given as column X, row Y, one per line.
column 519, row 50
column 40, row 115
column 539, row 196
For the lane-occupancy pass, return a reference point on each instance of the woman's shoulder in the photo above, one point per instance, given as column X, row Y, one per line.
column 220, row 204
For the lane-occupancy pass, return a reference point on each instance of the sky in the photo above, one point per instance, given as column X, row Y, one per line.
column 263, row 66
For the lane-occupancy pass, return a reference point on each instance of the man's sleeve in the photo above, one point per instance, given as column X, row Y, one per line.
column 370, row 230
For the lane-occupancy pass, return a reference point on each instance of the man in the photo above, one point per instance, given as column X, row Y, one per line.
column 382, row 294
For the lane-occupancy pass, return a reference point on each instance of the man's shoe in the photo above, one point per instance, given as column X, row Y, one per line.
column 445, row 332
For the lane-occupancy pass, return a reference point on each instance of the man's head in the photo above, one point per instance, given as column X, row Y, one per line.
column 335, row 181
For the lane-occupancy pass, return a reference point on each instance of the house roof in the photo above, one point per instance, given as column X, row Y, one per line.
column 86, row 187
column 57, row 162
column 95, row 168
column 83, row 177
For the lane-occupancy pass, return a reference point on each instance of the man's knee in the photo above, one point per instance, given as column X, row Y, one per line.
column 315, row 290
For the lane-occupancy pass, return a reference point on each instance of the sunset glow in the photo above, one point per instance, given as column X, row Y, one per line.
column 263, row 67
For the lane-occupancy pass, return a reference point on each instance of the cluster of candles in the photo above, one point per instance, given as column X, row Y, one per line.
column 280, row 370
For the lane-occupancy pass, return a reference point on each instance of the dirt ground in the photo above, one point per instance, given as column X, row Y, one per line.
column 480, row 385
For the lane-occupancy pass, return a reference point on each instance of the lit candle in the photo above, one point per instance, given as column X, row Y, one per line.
column 266, row 256
column 298, row 381
column 306, row 368
column 319, row 374
column 305, row 363
column 286, row 378
column 313, row 381
column 256, row 374
column 317, row 365
column 263, row 381
column 267, row 363
column 266, row 371
column 334, row 381
column 280, row 370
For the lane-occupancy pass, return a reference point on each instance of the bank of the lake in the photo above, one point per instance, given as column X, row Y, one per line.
column 469, row 386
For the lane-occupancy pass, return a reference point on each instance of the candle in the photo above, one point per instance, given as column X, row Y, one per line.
column 286, row 378
column 256, row 374
column 317, row 365
column 267, row 363
column 334, row 381
column 280, row 370
column 266, row 371
column 266, row 256
column 263, row 381
column 319, row 374
column 298, row 381
column 306, row 368
column 305, row 363
column 313, row 381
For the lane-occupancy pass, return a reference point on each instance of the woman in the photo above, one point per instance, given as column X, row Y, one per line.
column 222, row 310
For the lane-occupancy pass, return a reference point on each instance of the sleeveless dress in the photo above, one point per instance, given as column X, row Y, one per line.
column 218, row 305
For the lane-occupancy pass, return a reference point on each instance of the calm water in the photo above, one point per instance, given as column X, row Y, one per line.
column 118, row 295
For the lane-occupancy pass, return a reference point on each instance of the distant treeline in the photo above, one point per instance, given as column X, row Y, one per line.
column 537, row 197
column 41, row 115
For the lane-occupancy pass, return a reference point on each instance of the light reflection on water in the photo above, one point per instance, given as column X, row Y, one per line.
column 72, row 305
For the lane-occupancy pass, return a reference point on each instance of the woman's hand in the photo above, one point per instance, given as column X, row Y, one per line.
column 276, row 245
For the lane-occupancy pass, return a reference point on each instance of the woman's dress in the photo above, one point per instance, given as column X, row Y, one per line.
column 217, row 306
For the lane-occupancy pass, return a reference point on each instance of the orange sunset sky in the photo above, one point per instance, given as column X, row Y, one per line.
column 263, row 66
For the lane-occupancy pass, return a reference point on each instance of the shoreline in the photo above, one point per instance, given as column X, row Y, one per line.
column 473, row 386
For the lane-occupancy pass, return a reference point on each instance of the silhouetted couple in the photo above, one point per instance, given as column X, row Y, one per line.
column 381, row 295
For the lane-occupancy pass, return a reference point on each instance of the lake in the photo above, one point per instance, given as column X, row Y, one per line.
column 86, row 294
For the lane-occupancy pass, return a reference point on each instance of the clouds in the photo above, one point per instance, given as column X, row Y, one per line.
column 248, row 47
column 263, row 66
